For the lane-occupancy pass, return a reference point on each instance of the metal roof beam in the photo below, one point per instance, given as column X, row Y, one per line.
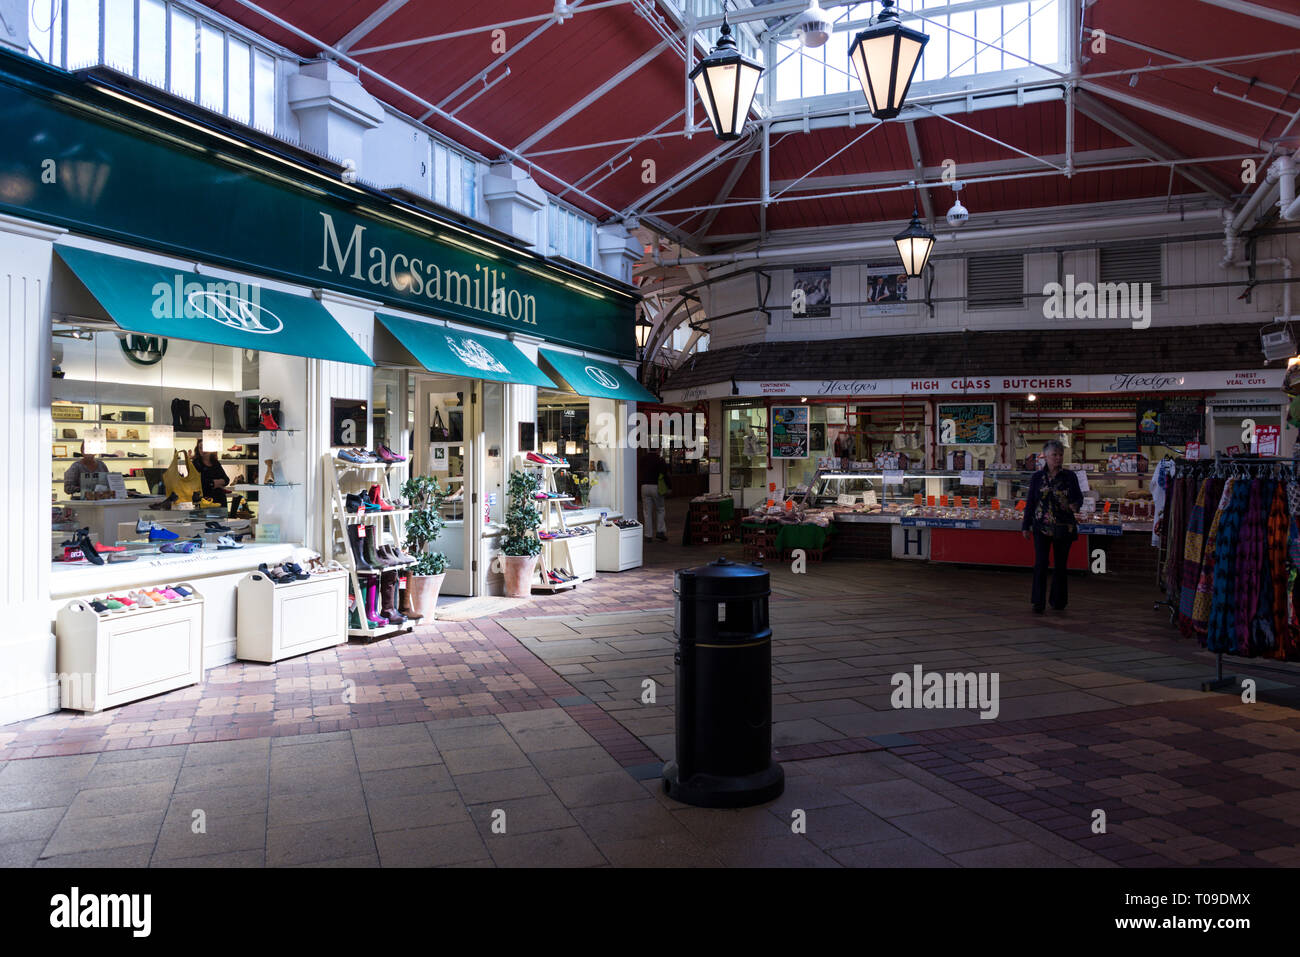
column 918, row 169
column 367, row 26
column 1168, row 113
column 1121, row 125
column 724, row 194
column 609, row 85
column 1255, row 10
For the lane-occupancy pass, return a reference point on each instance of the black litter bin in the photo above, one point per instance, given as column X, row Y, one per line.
column 724, row 689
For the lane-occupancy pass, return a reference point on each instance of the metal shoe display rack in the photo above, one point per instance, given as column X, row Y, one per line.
column 552, row 521
column 342, row 478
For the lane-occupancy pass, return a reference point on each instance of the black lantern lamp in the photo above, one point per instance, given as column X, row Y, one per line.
column 914, row 246
column 726, row 81
column 885, row 56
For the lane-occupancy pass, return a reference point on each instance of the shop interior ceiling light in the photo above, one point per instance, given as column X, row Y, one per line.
column 884, row 57
column 813, row 26
column 161, row 437
column 550, row 448
column 726, row 81
column 212, row 440
column 95, row 441
column 914, row 246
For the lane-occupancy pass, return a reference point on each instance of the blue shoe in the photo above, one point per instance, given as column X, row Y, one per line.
column 181, row 548
column 159, row 534
column 348, row 456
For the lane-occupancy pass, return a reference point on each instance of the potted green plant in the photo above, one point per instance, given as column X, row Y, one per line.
column 424, row 578
column 521, row 545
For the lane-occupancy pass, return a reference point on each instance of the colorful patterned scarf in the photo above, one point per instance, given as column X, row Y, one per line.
column 1249, row 560
column 1194, row 552
column 1205, row 581
column 1221, row 628
column 1271, row 632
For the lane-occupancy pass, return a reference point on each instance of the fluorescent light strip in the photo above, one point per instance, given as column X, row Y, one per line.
column 468, row 248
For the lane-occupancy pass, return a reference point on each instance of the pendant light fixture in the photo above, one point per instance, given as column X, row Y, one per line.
column 884, row 57
column 726, row 81
column 914, row 246
column 161, row 437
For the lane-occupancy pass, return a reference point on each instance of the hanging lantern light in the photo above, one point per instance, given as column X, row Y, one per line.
column 914, row 245
column 884, row 56
column 212, row 440
column 726, row 81
column 161, row 437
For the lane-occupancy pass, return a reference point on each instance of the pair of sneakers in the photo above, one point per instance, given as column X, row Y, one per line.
column 155, row 531
column 284, row 573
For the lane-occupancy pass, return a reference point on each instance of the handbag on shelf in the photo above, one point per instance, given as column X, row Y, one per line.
column 438, row 430
column 182, row 478
column 197, row 419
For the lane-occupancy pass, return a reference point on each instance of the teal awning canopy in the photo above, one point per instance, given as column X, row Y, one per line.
column 454, row 352
column 180, row 304
column 594, row 378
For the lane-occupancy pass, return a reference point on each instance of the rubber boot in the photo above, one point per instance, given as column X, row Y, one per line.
column 358, row 553
column 234, row 505
column 354, row 612
column 377, row 496
column 404, row 601
column 388, row 592
column 368, row 546
column 372, row 604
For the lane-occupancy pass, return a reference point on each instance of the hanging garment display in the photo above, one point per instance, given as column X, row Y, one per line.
column 1205, row 581
column 1159, row 489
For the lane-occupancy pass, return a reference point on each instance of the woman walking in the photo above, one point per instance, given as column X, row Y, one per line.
column 1050, row 523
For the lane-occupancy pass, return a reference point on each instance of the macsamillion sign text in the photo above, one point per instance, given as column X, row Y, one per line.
column 1118, row 382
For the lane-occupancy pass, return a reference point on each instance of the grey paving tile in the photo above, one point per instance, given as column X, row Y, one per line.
column 1023, row 854
column 494, row 757
column 321, row 737
column 533, row 740
column 521, row 816
column 806, row 792
column 474, row 736
column 410, row 754
column 220, row 834
column 573, row 761
column 431, row 846
column 105, row 802
column 128, row 755
column 129, row 856
column 954, row 829
column 802, row 731
column 31, row 825
column 400, row 781
column 250, row 858
column 45, row 770
column 308, row 807
column 543, row 718
column 21, row 853
column 103, row 833
column 790, row 851
column 229, row 752
column 410, row 811
column 844, row 825
column 119, row 773
column 899, row 852
column 850, row 768
column 714, row 826
column 606, row 787
column 891, row 798
column 659, row 851
column 488, row 786
column 206, row 777
column 321, row 841
column 301, row 780
column 627, row 820
column 317, row 754
column 386, row 736
column 568, row 847
column 27, row 797
column 361, row 860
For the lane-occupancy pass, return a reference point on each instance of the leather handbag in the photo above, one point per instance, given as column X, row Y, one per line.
column 438, row 430
column 182, row 478
column 197, row 420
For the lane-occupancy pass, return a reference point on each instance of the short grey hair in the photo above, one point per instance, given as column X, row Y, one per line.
column 1052, row 445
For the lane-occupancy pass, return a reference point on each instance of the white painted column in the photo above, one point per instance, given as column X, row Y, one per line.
column 28, row 686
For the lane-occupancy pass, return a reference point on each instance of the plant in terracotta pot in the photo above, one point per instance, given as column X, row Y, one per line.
column 424, row 578
column 521, row 545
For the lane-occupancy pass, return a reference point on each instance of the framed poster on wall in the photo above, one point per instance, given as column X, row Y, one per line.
column 348, row 418
column 885, row 290
column 811, row 296
column 790, row 432
column 527, row 432
column 967, row 423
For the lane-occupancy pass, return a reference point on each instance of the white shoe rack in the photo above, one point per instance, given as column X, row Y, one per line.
column 342, row 478
column 121, row 656
column 618, row 549
column 281, row 621
column 577, row 554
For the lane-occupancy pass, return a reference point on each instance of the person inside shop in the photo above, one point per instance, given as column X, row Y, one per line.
column 211, row 474
column 652, row 477
column 1052, row 524
column 88, row 464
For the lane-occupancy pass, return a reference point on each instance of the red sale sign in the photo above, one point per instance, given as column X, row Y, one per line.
column 1267, row 439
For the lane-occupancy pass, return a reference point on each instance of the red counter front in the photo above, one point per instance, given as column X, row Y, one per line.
column 981, row 547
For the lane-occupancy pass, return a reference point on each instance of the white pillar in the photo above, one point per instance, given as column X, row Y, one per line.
column 514, row 203
column 28, row 686
column 333, row 111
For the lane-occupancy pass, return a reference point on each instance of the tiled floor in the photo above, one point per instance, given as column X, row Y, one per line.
column 533, row 740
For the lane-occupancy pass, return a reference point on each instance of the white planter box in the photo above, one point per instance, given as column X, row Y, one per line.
column 127, row 655
column 581, row 556
column 280, row 621
column 618, row 549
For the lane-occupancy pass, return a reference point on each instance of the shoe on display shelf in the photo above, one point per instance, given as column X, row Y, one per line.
column 225, row 541
column 155, row 531
column 117, row 558
column 215, row 527
column 388, row 455
column 347, row 455
column 181, row 548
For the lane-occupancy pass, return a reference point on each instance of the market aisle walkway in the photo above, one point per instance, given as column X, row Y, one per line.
column 407, row 752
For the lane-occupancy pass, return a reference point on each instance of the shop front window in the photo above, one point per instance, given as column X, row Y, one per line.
column 563, row 429
column 160, row 440
column 747, row 447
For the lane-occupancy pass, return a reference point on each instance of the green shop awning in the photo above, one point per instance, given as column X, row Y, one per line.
column 454, row 352
column 599, row 380
column 179, row 304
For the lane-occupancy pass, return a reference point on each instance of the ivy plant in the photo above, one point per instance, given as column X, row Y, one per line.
column 522, row 516
column 424, row 523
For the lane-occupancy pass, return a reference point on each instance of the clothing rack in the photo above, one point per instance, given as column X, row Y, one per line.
column 1162, row 552
column 1283, row 467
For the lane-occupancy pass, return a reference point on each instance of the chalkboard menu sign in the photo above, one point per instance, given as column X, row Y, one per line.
column 967, row 423
column 1170, row 421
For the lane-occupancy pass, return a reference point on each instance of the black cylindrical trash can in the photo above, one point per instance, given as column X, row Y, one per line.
column 724, row 689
